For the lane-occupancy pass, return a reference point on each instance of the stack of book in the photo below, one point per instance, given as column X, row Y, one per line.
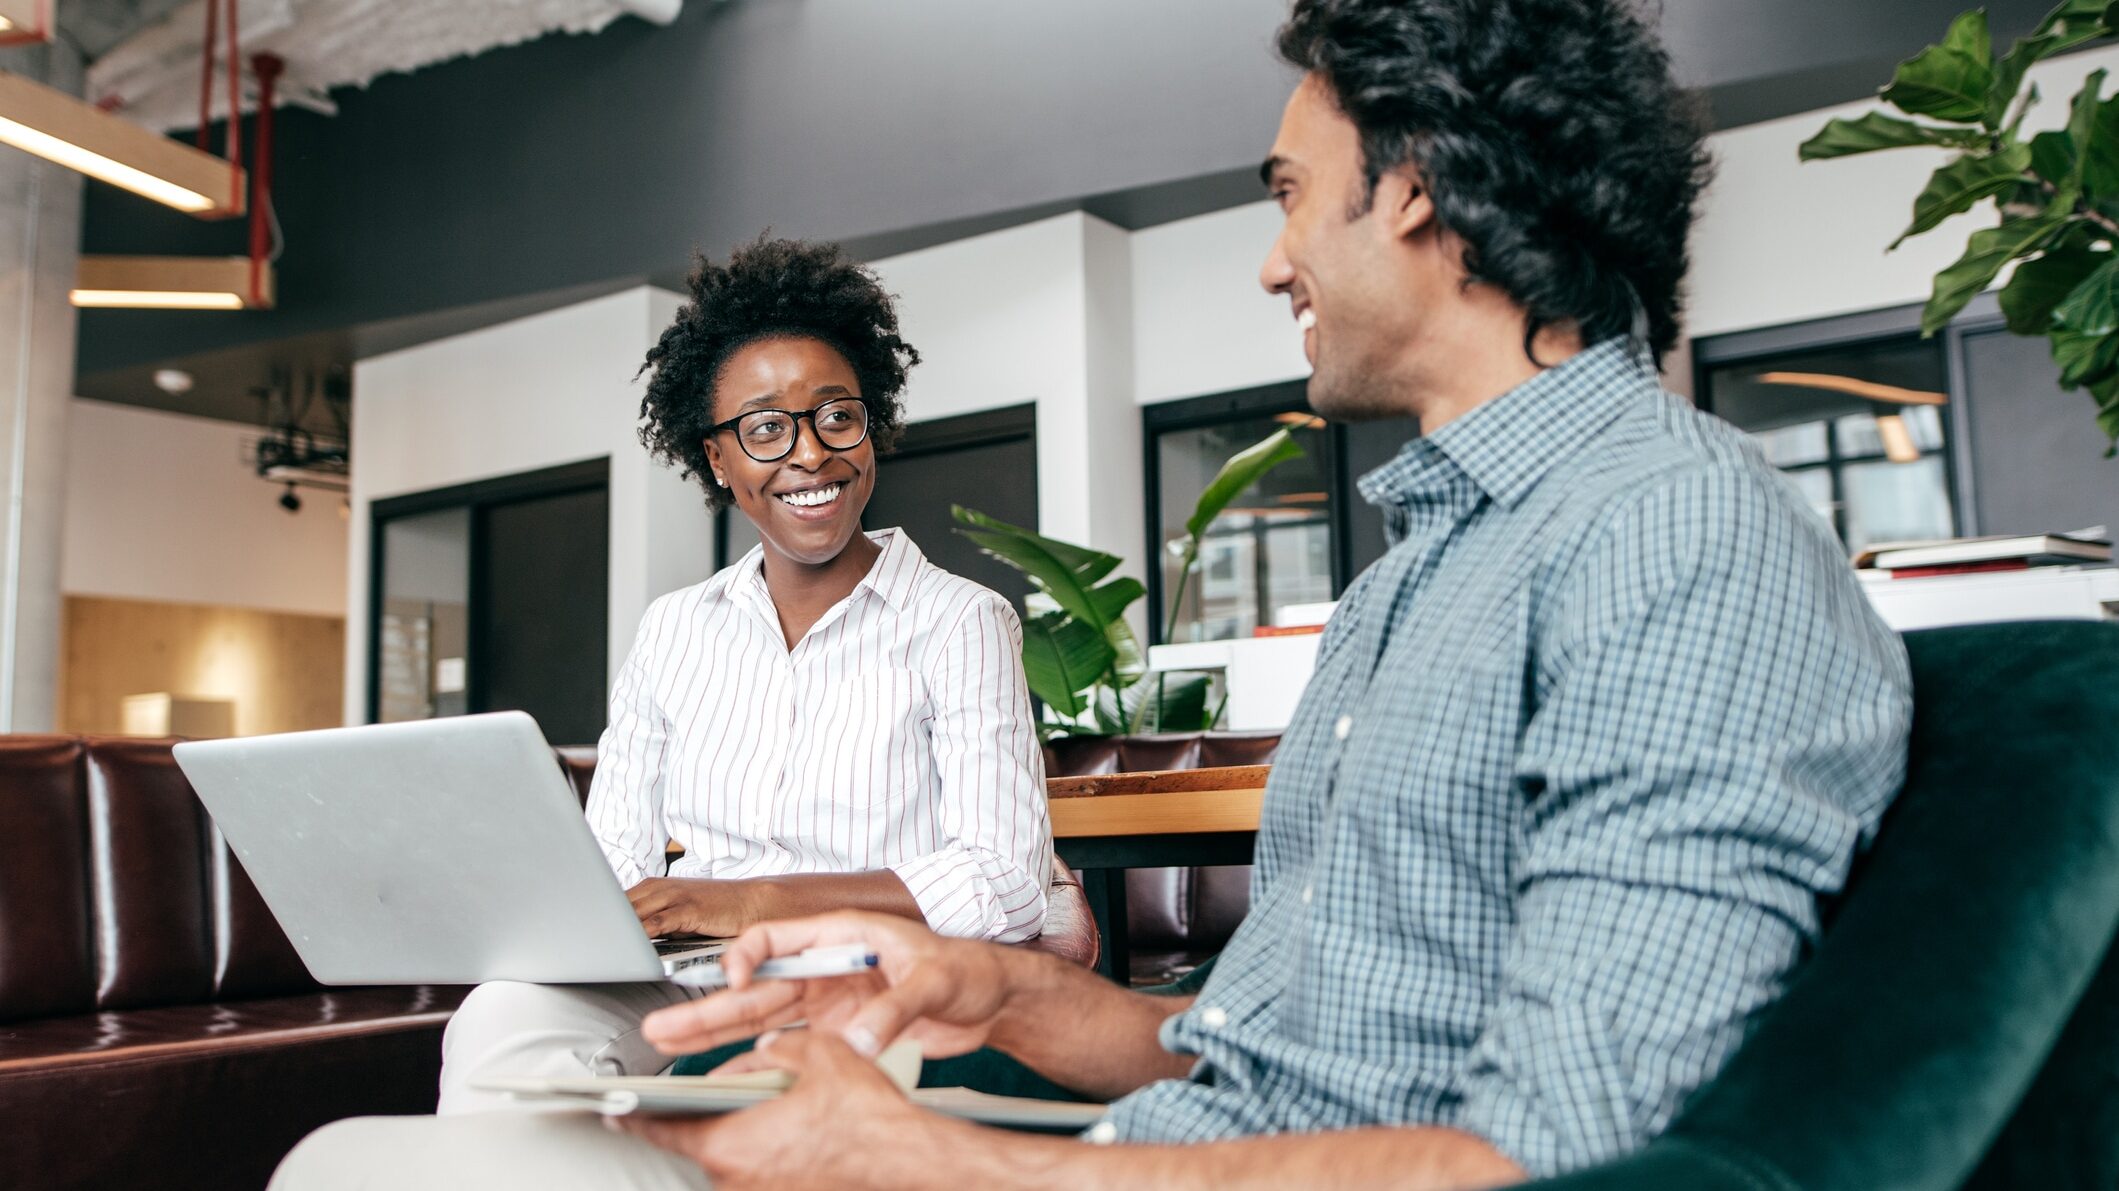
column 1975, row 556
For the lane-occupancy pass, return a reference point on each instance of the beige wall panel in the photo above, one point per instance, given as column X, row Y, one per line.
column 283, row 671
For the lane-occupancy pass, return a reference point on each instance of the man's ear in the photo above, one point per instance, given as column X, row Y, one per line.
column 1404, row 203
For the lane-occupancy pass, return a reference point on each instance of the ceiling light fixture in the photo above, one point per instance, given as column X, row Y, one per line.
column 1867, row 389
column 172, row 283
column 62, row 129
column 25, row 21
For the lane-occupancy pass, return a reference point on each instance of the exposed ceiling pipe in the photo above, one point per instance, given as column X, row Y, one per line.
column 654, row 12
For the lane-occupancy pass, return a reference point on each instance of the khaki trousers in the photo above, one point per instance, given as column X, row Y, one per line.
column 484, row 1139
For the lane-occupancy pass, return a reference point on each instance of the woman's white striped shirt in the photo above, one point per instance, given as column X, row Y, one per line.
column 897, row 734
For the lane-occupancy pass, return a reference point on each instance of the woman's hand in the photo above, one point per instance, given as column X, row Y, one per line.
column 691, row 906
column 946, row 994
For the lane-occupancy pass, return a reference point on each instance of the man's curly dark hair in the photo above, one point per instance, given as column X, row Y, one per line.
column 1549, row 133
column 770, row 289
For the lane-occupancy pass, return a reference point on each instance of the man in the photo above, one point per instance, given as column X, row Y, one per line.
column 1580, row 756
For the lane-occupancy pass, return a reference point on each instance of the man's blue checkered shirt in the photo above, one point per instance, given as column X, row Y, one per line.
column 1549, row 829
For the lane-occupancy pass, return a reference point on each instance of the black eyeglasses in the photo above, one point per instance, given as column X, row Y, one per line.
column 768, row 435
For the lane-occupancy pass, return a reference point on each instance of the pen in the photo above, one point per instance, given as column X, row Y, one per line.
column 814, row 964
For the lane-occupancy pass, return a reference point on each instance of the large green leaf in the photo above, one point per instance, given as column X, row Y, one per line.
column 2008, row 77
column 1113, row 598
column 1950, row 81
column 2108, row 413
column 1963, row 184
column 2082, row 125
column 1845, row 138
column 1062, row 571
column 2040, row 285
column 2093, row 308
column 2100, row 174
column 1241, row 471
column 1988, row 251
column 2083, row 359
column 1062, row 658
column 2077, row 21
column 2052, row 156
column 1159, row 703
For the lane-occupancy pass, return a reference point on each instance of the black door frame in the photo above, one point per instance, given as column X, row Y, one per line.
column 477, row 497
column 1264, row 401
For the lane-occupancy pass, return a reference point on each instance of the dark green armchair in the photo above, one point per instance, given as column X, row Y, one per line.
column 1959, row 1026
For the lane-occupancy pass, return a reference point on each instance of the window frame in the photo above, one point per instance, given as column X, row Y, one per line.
column 1982, row 315
column 1242, row 405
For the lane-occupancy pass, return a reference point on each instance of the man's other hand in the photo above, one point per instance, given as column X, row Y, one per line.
column 946, row 994
column 828, row 1131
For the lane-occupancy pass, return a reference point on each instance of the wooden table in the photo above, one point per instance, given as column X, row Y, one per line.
column 1179, row 818
column 1175, row 818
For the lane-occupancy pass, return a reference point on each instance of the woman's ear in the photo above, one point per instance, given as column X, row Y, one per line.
column 713, row 463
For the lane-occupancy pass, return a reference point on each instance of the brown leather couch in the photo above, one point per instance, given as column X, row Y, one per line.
column 1175, row 917
column 156, row 1027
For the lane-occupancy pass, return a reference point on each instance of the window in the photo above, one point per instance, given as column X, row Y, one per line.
column 1860, row 427
column 1298, row 536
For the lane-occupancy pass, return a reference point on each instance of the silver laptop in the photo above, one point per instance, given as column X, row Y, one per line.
column 447, row 851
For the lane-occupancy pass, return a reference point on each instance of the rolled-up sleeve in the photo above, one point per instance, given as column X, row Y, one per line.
column 988, row 877
column 1719, row 722
column 625, row 798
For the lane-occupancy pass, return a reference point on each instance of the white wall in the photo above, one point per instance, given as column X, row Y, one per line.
column 1782, row 241
column 1201, row 322
column 1041, row 313
column 542, row 391
column 162, row 507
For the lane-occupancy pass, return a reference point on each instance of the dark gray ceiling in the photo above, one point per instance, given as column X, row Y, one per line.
column 96, row 26
column 518, row 179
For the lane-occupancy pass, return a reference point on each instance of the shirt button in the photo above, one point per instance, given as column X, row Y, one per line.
column 1214, row 1017
column 1344, row 728
column 1102, row 1133
column 1308, row 892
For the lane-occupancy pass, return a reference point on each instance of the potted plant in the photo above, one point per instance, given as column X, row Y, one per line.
column 1081, row 658
column 2057, row 191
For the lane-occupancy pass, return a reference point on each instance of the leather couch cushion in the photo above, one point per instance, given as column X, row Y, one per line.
column 199, row 1097
column 252, row 956
column 147, row 834
column 47, row 963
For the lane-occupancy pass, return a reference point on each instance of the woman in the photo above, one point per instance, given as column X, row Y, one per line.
column 830, row 722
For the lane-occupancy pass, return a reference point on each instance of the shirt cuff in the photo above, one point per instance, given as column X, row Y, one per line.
column 952, row 893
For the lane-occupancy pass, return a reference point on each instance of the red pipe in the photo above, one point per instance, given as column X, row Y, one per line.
column 235, row 111
column 213, row 10
column 267, row 67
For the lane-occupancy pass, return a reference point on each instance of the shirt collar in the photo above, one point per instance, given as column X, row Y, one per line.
column 1506, row 445
column 894, row 577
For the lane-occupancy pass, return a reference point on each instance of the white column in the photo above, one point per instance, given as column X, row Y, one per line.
column 40, row 235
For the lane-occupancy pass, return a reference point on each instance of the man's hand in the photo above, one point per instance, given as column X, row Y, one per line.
column 946, row 994
column 832, row 1129
column 691, row 906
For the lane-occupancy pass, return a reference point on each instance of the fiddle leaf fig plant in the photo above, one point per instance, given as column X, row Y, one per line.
column 2057, row 191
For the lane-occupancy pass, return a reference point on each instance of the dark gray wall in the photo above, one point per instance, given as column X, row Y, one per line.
column 2038, row 457
column 576, row 162
column 573, row 160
